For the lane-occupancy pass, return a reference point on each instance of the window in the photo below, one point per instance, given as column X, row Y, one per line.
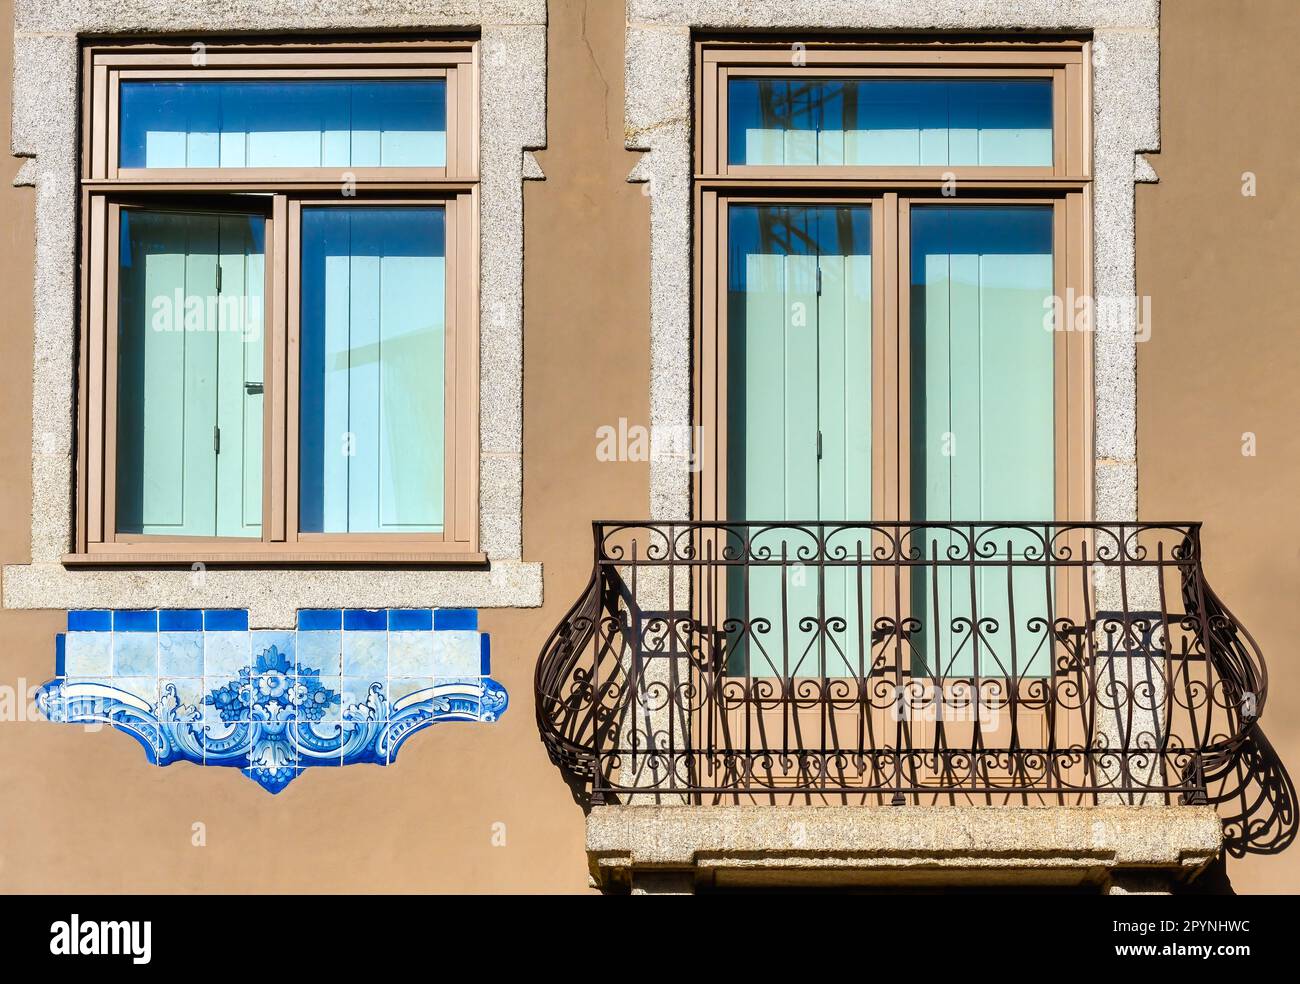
column 890, row 241
column 279, row 358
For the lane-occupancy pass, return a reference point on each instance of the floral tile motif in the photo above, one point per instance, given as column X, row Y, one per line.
column 346, row 687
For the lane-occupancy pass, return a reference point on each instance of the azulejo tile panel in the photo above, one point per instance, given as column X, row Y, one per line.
column 347, row 686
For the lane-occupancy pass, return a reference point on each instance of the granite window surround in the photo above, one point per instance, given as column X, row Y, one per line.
column 346, row 686
column 1125, row 124
column 46, row 111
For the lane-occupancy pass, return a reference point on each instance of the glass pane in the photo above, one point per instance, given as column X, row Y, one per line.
column 277, row 123
column 884, row 122
column 189, row 374
column 798, row 421
column 983, row 427
column 372, row 380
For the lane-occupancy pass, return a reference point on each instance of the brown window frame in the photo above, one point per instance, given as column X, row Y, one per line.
column 891, row 191
column 1067, row 63
column 278, row 194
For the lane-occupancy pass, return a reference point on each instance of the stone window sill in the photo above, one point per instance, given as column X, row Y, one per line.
column 277, row 558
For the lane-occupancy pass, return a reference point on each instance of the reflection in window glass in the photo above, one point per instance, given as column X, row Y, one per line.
column 884, row 122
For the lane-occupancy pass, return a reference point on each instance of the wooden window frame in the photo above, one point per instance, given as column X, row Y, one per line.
column 891, row 191
column 279, row 195
column 104, row 70
column 1066, row 63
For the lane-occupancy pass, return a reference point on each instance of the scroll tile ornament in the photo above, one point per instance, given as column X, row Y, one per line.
column 348, row 686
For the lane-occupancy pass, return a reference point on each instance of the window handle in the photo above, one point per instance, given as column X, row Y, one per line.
column 253, row 388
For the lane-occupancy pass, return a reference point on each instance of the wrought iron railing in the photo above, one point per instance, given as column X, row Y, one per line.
column 891, row 663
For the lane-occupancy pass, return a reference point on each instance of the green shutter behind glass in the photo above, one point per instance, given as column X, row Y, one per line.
column 799, row 357
column 373, row 374
column 983, row 428
column 189, row 400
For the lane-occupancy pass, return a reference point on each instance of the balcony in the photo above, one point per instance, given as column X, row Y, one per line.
column 908, row 666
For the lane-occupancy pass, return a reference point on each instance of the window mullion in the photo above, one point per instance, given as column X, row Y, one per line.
column 276, row 441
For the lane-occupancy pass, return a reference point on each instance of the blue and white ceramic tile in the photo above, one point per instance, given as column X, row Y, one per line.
column 346, row 687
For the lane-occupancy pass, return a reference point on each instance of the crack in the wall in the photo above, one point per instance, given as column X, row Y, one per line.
column 595, row 64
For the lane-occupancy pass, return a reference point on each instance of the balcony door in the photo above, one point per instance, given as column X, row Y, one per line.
column 893, row 359
column 894, row 401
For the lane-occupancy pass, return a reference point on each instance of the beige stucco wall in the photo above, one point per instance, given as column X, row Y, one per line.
column 1224, row 354
column 85, row 812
